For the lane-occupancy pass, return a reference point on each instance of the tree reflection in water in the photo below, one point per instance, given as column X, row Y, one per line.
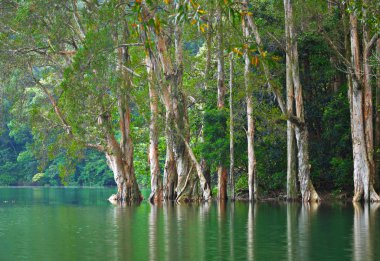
column 364, row 222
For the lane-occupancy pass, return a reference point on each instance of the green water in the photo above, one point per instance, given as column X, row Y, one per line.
column 79, row 224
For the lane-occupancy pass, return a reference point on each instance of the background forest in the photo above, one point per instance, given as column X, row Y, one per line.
column 66, row 67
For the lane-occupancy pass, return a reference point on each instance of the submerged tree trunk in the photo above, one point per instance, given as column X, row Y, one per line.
column 307, row 189
column 363, row 185
column 232, row 159
column 222, row 171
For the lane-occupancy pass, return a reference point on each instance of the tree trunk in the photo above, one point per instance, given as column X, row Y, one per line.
column 291, row 177
column 367, row 98
column 187, row 187
column 307, row 189
column 155, row 179
column 205, row 167
column 252, row 174
column 170, row 171
column 156, row 194
column 120, row 156
column 232, row 160
column 252, row 179
column 222, row 171
column 180, row 170
column 127, row 188
column 362, row 168
column 377, row 125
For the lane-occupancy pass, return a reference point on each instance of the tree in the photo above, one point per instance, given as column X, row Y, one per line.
column 360, row 96
column 307, row 189
column 85, row 94
column 252, row 173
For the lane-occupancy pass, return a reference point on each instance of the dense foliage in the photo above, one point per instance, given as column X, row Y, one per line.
column 43, row 44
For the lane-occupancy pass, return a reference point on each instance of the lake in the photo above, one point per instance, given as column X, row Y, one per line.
column 80, row 224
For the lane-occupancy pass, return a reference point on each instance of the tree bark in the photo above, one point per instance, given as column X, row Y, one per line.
column 232, row 159
column 187, row 187
column 222, row 171
column 291, row 177
column 120, row 156
column 377, row 125
column 362, row 167
column 205, row 167
column 307, row 189
column 252, row 179
column 368, row 109
column 155, row 178
column 156, row 66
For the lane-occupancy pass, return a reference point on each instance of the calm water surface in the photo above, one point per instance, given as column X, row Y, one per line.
column 79, row 224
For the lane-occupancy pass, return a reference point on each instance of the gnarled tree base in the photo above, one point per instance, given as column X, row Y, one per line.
column 310, row 194
column 359, row 193
column 156, row 196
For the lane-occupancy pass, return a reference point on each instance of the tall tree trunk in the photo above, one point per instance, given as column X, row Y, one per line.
column 222, row 171
column 291, row 177
column 232, row 159
column 170, row 181
column 362, row 168
column 205, row 167
column 170, row 172
column 377, row 125
column 181, row 167
column 187, row 187
column 156, row 66
column 120, row 156
column 368, row 109
column 155, row 179
column 252, row 182
column 307, row 189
